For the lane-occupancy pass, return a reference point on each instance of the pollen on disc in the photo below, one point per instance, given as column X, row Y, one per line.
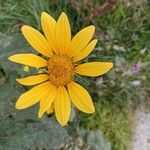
column 60, row 69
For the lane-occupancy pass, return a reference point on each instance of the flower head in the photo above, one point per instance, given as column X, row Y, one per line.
column 135, row 68
column 55, row 89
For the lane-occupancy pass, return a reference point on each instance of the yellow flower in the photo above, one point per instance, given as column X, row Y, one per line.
column 55, row 89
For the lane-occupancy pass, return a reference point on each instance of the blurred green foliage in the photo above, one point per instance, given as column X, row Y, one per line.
column 122, row 28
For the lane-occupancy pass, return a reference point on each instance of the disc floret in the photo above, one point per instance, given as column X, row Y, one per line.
column 60, row 70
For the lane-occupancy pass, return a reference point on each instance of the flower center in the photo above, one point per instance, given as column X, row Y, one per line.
column 60, row 69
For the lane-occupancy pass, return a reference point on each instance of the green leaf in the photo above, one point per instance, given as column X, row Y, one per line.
column 10, row 46
column 16, row 135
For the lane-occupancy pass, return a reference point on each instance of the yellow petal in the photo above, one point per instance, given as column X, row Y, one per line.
column 47, row 101
column 49, row 26
column 80, row 97
column 93, row 68
column 80, row 40
column 50, row 110
column 63, row 33
column 37, row 40
column 32, row 80
column 32, row 96
column 85, row 52
column 62, row 106
column 29, row 60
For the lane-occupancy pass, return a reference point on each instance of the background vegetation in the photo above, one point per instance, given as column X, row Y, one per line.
column 122, row 27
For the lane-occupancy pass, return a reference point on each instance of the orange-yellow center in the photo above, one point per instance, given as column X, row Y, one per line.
column 60, row 69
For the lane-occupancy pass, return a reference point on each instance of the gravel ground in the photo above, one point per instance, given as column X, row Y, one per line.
column 141, row 136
